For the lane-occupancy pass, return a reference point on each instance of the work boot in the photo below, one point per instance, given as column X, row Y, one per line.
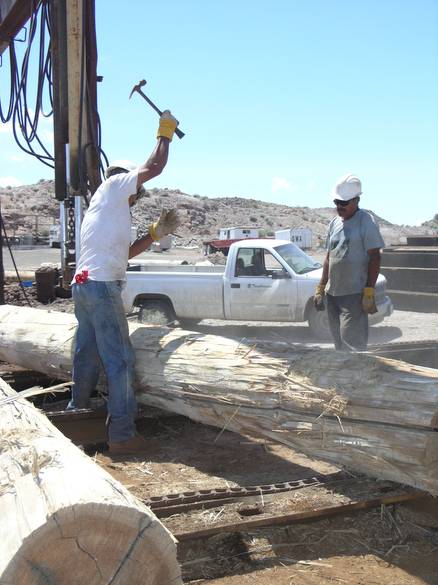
column 133, row 445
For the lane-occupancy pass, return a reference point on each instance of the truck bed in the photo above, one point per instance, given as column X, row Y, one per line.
column 195, row 292
column 176, row 268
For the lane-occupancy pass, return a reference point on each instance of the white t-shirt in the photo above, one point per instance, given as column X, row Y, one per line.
column 106, row 229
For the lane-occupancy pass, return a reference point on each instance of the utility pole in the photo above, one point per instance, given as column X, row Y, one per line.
column 74, row 58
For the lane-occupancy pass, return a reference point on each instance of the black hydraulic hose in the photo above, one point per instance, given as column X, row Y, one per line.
column 23, row 122
column 12, row 93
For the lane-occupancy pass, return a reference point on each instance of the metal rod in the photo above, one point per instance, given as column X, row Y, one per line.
column 58, row 44
column 78, row 224
column 301, row 516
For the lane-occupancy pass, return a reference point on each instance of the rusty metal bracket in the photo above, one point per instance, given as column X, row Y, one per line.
column 175, row 503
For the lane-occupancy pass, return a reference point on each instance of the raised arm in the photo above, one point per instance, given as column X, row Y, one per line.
column 158, row 159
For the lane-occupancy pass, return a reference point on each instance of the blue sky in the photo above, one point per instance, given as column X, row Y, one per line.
column 277, row 99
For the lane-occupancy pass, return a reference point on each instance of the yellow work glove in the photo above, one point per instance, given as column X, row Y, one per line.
column 167, row 125
column 166, row 224
column 318, row 298
column 369, row 300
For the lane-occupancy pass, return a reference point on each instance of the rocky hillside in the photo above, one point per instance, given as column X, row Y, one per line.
column 29, row 209
column 33, row 208
column 433, row 223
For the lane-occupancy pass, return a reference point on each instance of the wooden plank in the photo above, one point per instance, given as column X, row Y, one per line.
column 75, row 97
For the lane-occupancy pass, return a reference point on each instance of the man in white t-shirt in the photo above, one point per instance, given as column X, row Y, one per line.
column 350, row 268
column 102, row 336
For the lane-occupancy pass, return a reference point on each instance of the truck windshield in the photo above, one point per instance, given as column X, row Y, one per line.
column 297, row 259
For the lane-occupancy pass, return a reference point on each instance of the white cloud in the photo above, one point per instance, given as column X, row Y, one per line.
column 6, row 128
column 45, row 127
column 47, row 136
column 10, row 182
column 280, row 184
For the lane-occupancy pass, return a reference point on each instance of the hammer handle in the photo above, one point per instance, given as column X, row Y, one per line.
column 178, row 132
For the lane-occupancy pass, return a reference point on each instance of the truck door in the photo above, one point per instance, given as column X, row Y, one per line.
column 260, row 289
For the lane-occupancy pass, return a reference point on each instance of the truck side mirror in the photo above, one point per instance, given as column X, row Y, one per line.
column 280, row 275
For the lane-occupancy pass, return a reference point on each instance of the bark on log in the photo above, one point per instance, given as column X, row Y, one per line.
column 375, row 415
column 64, row 520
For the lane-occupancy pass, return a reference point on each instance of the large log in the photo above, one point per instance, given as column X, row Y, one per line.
column 64, row 520
column 375, row 415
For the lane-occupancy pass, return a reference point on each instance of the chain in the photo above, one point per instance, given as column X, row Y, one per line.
column 71, row 223
column 70, row 238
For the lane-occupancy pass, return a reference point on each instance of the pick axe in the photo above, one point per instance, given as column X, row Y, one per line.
column 137, row 88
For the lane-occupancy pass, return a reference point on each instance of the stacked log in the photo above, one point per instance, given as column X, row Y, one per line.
column 375, row 415
column 64, row 519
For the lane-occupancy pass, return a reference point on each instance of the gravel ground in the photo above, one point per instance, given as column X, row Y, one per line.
column 406, row 326
column 401, row 326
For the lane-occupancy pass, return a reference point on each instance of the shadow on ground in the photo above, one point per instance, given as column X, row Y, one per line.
column 289, row 333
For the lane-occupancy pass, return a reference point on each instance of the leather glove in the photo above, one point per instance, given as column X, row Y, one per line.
column 166, row 224
column 318, row 298
column 369, row 300
column 167, row 125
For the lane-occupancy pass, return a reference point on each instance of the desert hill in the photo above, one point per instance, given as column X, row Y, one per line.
column 33, row 208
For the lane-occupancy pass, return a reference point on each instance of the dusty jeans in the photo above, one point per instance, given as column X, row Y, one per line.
column 348, row 322
column 103, row 338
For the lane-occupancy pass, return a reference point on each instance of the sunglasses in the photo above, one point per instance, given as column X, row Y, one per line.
column 340, row 203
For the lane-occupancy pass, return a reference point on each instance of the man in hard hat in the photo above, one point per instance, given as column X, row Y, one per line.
column 350, row 269
column 102, row 336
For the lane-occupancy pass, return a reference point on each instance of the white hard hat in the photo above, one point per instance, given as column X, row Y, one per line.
column 125, row 165
column 347, row 187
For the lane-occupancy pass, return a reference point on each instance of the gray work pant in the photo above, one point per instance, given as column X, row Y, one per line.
column 348, row 322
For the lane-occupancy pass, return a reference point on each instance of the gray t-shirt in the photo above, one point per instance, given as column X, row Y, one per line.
column 348, row 243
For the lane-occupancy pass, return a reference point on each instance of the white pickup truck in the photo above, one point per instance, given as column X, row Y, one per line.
column 263, row 280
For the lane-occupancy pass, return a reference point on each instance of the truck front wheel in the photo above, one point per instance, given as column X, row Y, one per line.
column 318, row 324
column 156, row 312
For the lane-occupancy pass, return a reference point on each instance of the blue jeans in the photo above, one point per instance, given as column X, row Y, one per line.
column 103, row 338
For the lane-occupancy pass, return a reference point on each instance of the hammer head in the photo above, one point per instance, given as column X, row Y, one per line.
column 137, row 87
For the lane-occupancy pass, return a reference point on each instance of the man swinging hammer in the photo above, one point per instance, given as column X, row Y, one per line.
column 102, row 335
